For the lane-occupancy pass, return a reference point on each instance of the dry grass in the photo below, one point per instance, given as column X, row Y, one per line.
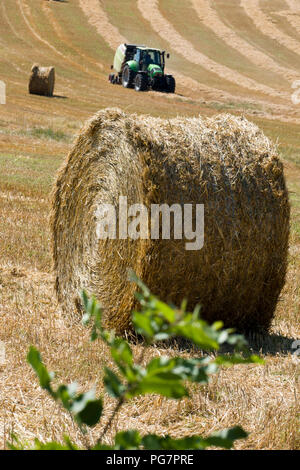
column 265, row 400
column 267, row 26
column 209, row 17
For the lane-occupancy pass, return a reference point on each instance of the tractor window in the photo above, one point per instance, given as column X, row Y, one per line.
column 137, row 56
column 153, row 57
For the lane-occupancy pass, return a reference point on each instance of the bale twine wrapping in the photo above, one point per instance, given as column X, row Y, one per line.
column 41, row 80
column 224, row 162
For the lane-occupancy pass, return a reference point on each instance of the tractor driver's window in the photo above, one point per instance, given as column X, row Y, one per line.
column 137, row 56
column 155, row 57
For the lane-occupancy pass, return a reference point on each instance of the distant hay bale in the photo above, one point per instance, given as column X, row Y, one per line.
column 224, row 162
column 41, row 80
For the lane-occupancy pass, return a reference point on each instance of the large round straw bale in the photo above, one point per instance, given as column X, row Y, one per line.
column 41, row 80
column 225, row 163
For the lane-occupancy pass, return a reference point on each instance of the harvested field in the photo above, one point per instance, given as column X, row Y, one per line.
column 293, row 18
column 149, row 9
column 210, row 93
column 98, row 18
column 67, row 40
column 209, row 17
column 265, row 25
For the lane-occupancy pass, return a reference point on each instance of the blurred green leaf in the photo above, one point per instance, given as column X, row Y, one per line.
column 85, row 300
column 153, row 442
column 35, row 360
column 127, row 440
column 160, row 377
column 226, row 437
column 198, row 332
column 100, row 446
column 91, row 413
column 112, row 383
column 66, row 394
column 229, row 360
column 142, row 324
column 121, row 352
column 53, row 445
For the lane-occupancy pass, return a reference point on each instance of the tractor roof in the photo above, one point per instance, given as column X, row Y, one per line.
column 144, row 48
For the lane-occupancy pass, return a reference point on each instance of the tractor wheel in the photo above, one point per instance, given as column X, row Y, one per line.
column 127, row 77
column 170, row 84
column 158, row 84
column 141, row 82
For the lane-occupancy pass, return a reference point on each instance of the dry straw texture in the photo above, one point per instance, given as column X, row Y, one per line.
column 41, row 80
column 225, row 163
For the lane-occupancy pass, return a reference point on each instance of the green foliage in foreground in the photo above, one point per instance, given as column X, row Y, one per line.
column 165, row 376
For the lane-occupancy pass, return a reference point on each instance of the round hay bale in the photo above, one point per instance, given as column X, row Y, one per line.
column 41, row 80
column 225, row 163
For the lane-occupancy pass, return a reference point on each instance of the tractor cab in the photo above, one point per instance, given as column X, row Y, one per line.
column 146, row 57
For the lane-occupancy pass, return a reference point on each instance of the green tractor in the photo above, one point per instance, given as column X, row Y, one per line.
column 142, row 68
